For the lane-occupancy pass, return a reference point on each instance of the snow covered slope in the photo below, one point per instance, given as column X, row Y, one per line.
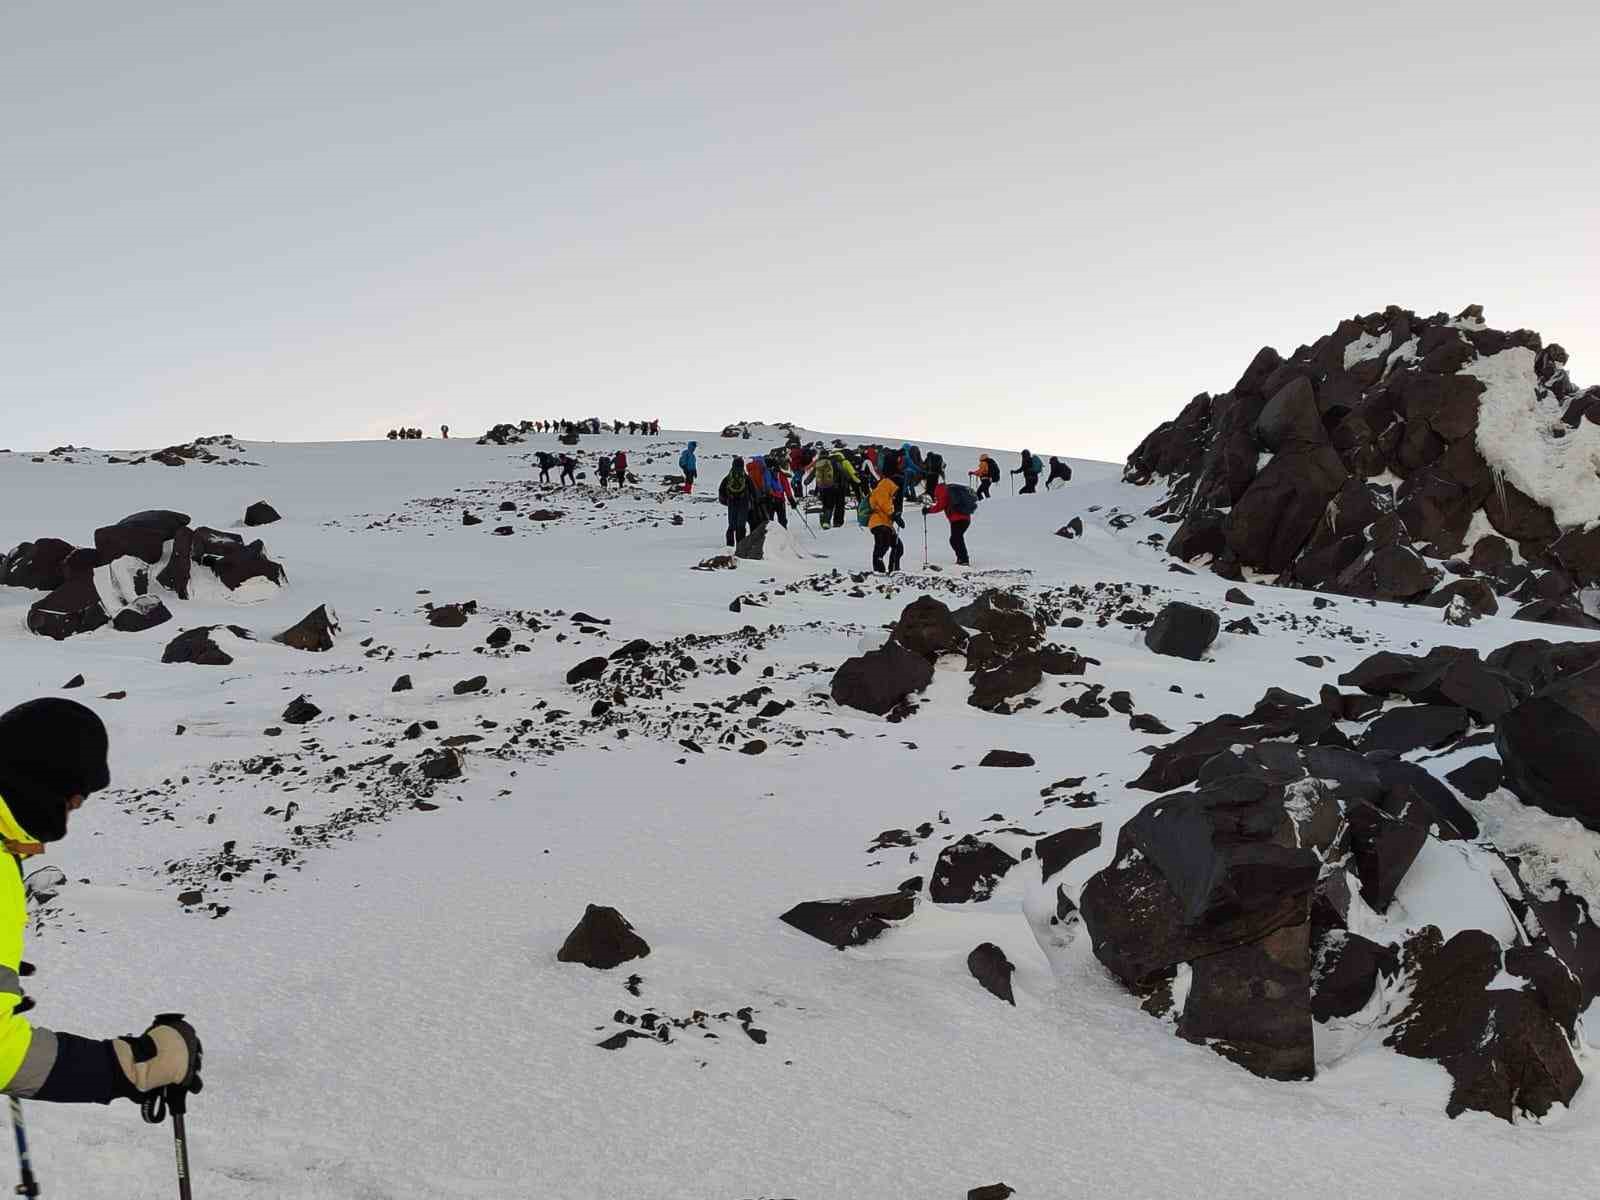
column 372, row 959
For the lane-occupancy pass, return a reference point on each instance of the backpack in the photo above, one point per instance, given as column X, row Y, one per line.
column 686, row 461
column 863, row 512
column 735, row 483
column 824, row 473
column 961, row 500
column 933, row 465
column 1037, row 464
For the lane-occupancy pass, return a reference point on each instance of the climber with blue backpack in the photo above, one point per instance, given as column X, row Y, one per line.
column 1030, row 470
column 957, row 502
column 689, row 467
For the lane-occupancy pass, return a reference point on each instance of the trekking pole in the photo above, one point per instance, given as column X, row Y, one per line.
column 29, row 1185
column 155, row 1109
column 174, row 1099
column 924, row 538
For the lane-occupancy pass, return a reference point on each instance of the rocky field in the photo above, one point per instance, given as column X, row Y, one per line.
column 506, row 840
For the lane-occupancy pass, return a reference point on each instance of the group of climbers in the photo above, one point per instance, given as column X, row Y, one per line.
column 612, row 466
column 1032, row 467
column 607, row 467
column 591, row 425
column 876, row 480
column 754, row 491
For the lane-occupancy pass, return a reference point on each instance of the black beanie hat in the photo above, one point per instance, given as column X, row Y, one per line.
column 50, row 750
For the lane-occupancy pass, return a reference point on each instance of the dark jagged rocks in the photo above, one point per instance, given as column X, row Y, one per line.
column 1355, row 466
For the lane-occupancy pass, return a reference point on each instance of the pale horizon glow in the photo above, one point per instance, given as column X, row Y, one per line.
column 1027, row 223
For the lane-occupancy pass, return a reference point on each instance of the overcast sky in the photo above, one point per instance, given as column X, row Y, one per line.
column 1005, row 224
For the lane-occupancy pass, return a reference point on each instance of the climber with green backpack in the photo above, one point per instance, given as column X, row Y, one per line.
column 831, row 475
column 1030, row 470
column 734, row 495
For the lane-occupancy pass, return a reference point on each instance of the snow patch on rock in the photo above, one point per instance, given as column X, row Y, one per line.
column 1367, row 346
column 1517, row 438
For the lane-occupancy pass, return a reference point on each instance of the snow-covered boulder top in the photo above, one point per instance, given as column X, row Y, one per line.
column 1389, row 459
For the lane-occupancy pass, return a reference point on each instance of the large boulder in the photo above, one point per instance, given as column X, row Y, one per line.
column 1550, row 748
column 1385, row 840
column 1345, row 973
column 1179, row 762
column 39, row 566
column 233, row 560
column 261, row 513
column 968, row 870
column 1005, row 619
column 989, row 965
column 143, row 535
column 1252, row 1005
column 1183, row 631
column 72, row 608
column 1197, row 873
column 1282, row 506
column 1445, row 675
column 879, row 680
column 1414, row 727
column 300, row 711
column 1505, row 1052
column 175, row 576
column 145, row 612
column 1060, row 850
column 1395, row 573
column 1556, row 612
column 927, row 627
column 850, row 922
column 994, row 686
column 589, row 669
column 1291, row 418
column 199, row 647
column 315, row 631
column 1217, row 879
column 602, row 939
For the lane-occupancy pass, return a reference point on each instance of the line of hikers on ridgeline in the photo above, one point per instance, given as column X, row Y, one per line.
column 569, row 430
column 878, row 481
column 593, row 426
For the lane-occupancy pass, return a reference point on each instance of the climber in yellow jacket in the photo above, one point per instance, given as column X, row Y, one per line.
column 882, row 524
column 52, row 756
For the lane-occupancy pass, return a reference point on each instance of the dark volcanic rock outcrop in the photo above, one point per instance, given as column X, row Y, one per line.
column 1365, row 462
